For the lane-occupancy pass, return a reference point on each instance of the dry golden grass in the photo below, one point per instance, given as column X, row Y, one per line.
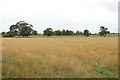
column 81, row 57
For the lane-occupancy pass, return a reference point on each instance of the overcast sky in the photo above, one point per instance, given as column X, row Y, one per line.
column 60, row 14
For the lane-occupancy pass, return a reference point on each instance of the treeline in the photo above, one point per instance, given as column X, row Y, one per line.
column 50, row 32
column 24, row 29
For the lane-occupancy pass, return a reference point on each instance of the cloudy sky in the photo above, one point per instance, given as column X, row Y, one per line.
column 60, row 14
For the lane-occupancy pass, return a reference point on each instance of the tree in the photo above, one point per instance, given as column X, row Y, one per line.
column 67, row 32
column 9, row 34
column 86, row 32
column 48, row 32
column 21, row 28
column 70, row 32
column 3, row 33
column 34, row 32
column 58, row 32
column 26, row 31
column 103, row 31
column 78, row 32
column 13, row 28
column 63, row 32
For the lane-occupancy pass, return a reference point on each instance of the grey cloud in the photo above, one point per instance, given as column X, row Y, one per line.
column 110, row 5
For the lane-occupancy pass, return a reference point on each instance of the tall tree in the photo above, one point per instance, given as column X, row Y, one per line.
column 103, row 31
column 13, row 28
column 34, row 32
column 69, row 32
column 58, row 32
column 21, row 28
column 26, row 31
column 48, row 32
column 3, row 34
column 86, row 32
column 63, row 32
column 78, row 32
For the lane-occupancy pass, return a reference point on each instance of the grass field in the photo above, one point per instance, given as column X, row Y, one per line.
column 55, row 57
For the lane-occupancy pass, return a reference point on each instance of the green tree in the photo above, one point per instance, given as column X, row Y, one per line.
column 9, row 34
column 3, row 33
column 78, row 32
column 26, row 31
column 69, row 32
column 103, row 31
column 86, row 33
column 21, row 28
column 48, row 32
column 63, row 32
column 58, row 32
column 34, row 32
column 13, row 28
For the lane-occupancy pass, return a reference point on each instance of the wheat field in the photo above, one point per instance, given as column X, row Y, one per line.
column 60, row 57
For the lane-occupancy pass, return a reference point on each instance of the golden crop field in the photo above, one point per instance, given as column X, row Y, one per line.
column 60, row 57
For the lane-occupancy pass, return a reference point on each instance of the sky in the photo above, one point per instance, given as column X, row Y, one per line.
column 60, row 14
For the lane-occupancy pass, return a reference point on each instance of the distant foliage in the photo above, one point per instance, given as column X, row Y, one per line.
column 8, row 34
column 21, row 28
column 78, row 32
column 103, row 31
column 63, row 32
column 86, row 33
column 25, row 31
column 48, row 32
column 69, row 32
column 3, row 33
column 58, row 33
column 34, row 32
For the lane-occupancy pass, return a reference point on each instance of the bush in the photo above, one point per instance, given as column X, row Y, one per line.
column 9, row 34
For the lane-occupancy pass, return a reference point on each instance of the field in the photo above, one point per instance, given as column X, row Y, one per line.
column 60, row 57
